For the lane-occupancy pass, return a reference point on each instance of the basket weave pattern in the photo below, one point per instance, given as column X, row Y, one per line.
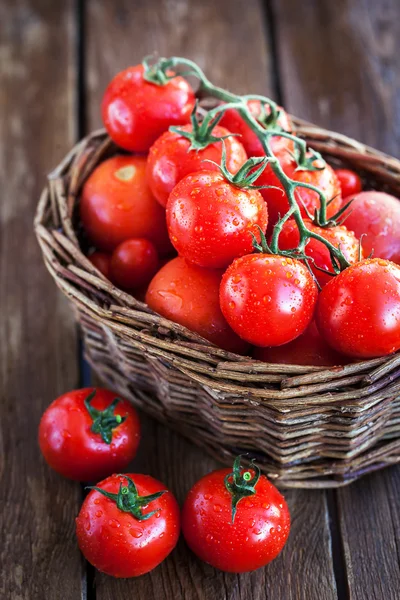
column 306, row 426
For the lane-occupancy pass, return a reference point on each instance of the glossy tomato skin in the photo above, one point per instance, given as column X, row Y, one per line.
column 257, row 535
column 116, row 205
column 136, row 112
column 189, row 295
column 170, row 159
column 358, row 312
column 233, row 121
column 308, row 349
column 73, row 450
column 117, row 543
column 210, row 221
column 350, row 182
column 133, row 263
column 337, row 236
column 268, row 300
column 377, row 216
column 101, row 260
column 276, row 199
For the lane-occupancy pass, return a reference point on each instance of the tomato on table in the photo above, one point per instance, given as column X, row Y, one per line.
column 133, row 263
column 236, row 521
column 268, row 300
column 136, row 111
column 321, row 259
column 232, row 120
column 116, row 205
column 189, row 295
column 376, row 217
column 350, row 182
column 171, row 158
column 89, row 433
column 211, row 221
column 358, row 312
column 128, row 524
column 101, row 260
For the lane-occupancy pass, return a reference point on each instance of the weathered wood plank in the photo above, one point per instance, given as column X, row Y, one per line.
column 340, row 69
column 39, row 555
column 229, row 41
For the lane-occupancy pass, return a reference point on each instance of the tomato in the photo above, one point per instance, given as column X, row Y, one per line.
column 136, row 112
column 233, row 121
column 377, row 215
column 189, row 295
column 210, row 221
column 276, row 199
column 87, row 434
column 116, row 204
column 101, row 260
column 133, row 263
column 308, row 349
column 358, row 312
column 337, row 236
column 268, row 300
column 230, row 531
column 350, row 182
column 128, row 524
column 171, row 159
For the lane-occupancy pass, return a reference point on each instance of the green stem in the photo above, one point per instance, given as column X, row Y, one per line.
column 104, row 421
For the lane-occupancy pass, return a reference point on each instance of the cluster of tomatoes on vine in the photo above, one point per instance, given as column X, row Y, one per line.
column 264, row 263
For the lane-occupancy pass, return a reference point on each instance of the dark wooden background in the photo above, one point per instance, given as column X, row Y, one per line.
column 336, row 63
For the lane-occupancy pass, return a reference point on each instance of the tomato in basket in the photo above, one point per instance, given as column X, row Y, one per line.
column 101, row 260
column 133, row 263
column 350, row 182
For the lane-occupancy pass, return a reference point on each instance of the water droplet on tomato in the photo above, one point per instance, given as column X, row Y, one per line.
column 99, row 513
column 97, row 501
column 209, row 538
column 136, row 533
column 252, row 522
column 272, row 530
column 217, row 507
column 114, row 523
column 207, row 496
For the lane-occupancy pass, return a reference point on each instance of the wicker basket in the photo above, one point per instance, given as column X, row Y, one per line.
column 306, row 426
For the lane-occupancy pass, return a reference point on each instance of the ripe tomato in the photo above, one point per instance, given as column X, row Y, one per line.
column 133, row 263
column 233, row 121
column 210, row 221
column 171, row 159
column 358, row 312
column 128, row 524
column 308, row 349
column 377, row 215
column 116, row 204
column 136, row 112
column 276, row 199
column 189, row 295
column 230, row 531
column 87, row 434
column 350, row 182
column 268, row 300
column 101, row 260
column 338, row 236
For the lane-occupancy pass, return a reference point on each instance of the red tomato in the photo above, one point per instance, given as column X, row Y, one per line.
column 133, row 263
column 377, row 215
column 210, row 221
column 233, row 121
column 276, row 199
column 241, row 539
column 308, row 349
column 136, row 112
column 101, row 260
column 87, row 434
column 189, row 295
column 268, row 300
column 170, row 160
column 350, row 182
column 116, row 205
column 338, row 236
column 358, row 312
column 128, row 524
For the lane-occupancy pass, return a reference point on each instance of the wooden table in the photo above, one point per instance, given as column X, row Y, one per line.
column 333, row 62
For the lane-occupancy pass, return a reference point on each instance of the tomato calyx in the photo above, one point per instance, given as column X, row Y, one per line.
column 241, row 484
column 248, row 172
column 319, row 219
column 201, row 135
column 157, row 73
column 104, row 421
column 128, row 500
column 306, row 159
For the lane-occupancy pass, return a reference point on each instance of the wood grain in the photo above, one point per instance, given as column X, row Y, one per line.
column 214, row 34
column 340, row 69
column 39, row 555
